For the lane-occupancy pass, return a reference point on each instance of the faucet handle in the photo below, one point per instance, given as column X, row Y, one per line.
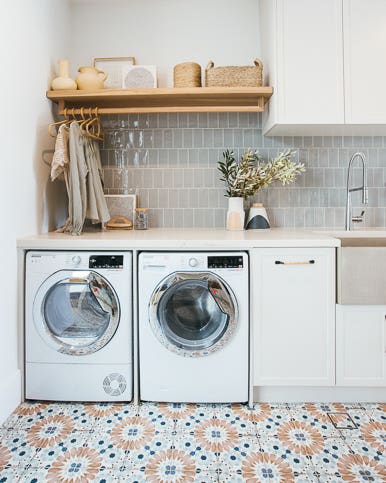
column 358, row 218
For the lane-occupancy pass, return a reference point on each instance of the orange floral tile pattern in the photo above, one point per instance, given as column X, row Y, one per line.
column 183, row 443
column 171, row 465
column 301, row 438
column 50, row 431
column 264, row 466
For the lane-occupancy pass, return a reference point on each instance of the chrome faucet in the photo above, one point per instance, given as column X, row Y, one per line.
column 363, row 188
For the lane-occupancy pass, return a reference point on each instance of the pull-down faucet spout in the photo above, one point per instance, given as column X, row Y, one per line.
column 363, row 188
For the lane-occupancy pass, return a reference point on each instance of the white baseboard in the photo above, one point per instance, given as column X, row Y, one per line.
column 10, row 395
column 318, row 394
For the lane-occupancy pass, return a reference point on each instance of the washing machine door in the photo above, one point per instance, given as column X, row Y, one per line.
column 76, row 312
column 193, row 314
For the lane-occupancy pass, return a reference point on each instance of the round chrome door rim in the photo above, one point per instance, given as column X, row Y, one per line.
column 223, row 293
column 41, row 325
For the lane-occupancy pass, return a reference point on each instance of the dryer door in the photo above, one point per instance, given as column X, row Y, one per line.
column 77, row 312
column 193, row 314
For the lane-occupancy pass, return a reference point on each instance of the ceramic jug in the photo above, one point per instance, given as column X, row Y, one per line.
column 63, row 81
column 91, row 78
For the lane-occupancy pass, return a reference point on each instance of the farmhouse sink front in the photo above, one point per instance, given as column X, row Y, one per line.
column 361, row 270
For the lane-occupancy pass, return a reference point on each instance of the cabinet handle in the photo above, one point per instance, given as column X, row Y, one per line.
column 307, row 262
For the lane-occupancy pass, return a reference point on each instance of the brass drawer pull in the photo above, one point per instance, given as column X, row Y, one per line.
column 308, row 262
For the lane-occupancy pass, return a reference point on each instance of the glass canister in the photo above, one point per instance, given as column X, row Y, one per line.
column 141, row 218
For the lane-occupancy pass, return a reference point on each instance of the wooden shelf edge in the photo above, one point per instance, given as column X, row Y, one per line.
column 159, row 91
column 197, row 99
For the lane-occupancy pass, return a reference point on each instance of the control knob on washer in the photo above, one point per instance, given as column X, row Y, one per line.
column 76, row 259
column 193, row 262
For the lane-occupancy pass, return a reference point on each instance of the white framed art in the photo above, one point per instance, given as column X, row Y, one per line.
column 114, row 67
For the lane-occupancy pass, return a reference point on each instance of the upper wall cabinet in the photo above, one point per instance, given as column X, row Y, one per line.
column 364, row 28
column 325, row 63
column 303, row 59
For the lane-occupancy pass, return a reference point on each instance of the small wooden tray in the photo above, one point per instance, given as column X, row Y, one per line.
column 119, row 223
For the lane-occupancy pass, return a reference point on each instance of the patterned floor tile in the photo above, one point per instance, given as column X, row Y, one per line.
column 326, row 460
column 26, row 415
column 191, row 415
column 259, row 466
column 205, row 460
column 231, row 458
column 15, row 449
column 297, row 461
column 77, row 464
column 12, row 474
column 46, row 455
column 243, row 418
column 268, row 428
column 193, row 443
column 319, row 420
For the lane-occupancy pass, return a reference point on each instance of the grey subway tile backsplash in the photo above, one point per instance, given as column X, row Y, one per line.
column 170, row 159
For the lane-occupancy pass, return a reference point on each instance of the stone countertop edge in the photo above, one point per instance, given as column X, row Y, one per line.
column 180, row 238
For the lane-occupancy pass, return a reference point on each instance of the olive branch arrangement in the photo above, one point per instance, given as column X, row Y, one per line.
column 251, row 173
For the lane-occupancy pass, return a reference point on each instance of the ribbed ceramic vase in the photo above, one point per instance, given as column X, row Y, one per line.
column 63, row 81
column 235, row 214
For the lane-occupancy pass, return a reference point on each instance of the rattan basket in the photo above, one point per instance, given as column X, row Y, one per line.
column 232, row 76
column 187, row 74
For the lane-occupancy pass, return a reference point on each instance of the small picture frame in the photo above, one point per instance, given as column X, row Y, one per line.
column 113, row 66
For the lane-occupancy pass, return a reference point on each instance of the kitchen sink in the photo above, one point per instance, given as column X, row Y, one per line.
column 363, row 242
column 361, row 270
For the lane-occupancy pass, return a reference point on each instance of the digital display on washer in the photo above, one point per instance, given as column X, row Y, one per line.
column 106, row 261
column 225, row 262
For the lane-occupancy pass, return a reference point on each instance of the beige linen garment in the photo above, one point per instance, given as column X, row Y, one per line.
column 97, row 210
column 85, row 190
column 77, row 182
column 61, row 161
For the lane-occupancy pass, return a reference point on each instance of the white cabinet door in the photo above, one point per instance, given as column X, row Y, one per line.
column 360, row 345
column 365, row 61
column 302, row 45
column 293, row 316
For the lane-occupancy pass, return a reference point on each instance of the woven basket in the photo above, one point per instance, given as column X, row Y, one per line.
column 244, row 76
column 187, row 74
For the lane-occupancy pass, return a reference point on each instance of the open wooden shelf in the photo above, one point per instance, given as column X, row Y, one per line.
column 194, row 99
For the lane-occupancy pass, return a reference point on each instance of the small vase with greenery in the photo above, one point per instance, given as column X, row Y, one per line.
column 251, row 173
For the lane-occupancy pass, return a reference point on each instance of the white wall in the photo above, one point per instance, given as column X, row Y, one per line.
column 33, row 37
column 165, row 32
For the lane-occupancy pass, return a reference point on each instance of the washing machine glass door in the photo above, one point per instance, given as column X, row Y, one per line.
column 193, row 314
column 76, row 314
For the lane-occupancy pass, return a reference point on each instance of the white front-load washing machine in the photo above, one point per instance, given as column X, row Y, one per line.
column 78, row 326
column 193, row 326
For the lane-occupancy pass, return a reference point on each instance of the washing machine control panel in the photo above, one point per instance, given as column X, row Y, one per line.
column 225, row 262
column 106, row 261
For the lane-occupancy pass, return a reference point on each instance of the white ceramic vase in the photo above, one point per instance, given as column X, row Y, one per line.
column 235, row 214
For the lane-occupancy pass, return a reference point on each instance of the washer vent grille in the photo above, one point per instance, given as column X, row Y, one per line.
column 114, row 384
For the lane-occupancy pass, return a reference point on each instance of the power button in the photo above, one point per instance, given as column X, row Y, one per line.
column 76, row 260
column 193, row 262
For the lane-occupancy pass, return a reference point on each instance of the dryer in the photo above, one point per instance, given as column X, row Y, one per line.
column 193, row 326
column 78, row 326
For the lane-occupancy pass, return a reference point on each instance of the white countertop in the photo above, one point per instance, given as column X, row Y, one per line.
column 179, row 238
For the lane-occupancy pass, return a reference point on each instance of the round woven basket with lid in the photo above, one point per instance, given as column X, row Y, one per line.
column 187, row 74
